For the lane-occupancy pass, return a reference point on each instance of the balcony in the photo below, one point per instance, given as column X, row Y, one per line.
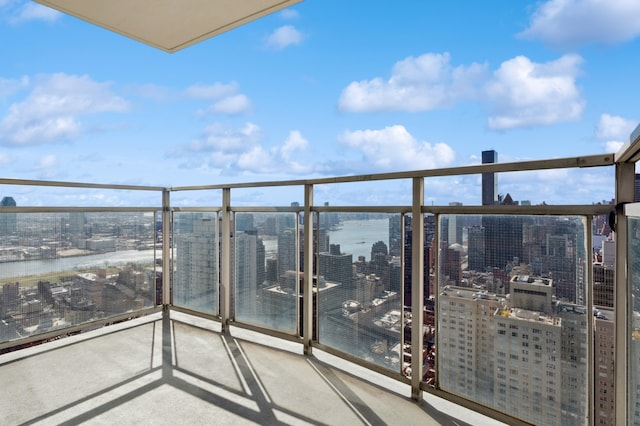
column 319, row 314
column 178, row 368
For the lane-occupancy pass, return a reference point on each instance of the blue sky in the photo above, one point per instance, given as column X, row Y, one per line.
column 321, row 89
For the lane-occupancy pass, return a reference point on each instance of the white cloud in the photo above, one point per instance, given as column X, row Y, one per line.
column 526, row 93
column 52, row 110
column 11, row 86
column 17, row 12
column 613, row 146
column 240, row 150
column 46, row 166
column 418, row 83
column 614, row 127
column 568, row 23
column 614, row 130
column 294, row 142
column 232, row 105
column 283, row 37
column 36, row 12
column 220, row 138
column 227, row 99
column 522, row 93
column 394, row 148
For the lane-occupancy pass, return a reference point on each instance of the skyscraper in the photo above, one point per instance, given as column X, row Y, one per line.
column 337, row 267
column 524, row 355
column 489, row 180
column 250, row 272
column 196, row 276
column 8, row 221
column 286, row 251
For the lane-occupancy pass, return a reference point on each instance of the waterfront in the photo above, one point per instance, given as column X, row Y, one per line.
column 357, row 236
column 47, row 266
column 354, row 236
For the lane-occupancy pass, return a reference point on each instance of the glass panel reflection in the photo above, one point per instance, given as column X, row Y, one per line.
column 358, row 286
column 512, row 328
column 58, row 270
column 195, row 254
column 266, row 270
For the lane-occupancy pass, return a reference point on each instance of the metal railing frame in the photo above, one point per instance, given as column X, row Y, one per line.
column 624, row 165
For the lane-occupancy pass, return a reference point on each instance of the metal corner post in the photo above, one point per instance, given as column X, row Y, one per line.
column 625, row 193
column 225, row 260
column 590, row 324
column 166, row 248
column 307, row 300
column 417, row 287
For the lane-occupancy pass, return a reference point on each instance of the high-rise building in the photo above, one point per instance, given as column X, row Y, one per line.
column 503, row 240
column 574, row 354
column 466, row 335
column 196, row 276
column 489, row 180
column 337, row 267
column 77, row 222
column 603, row 285
column 244, row 222
column 287, row 251
column 249, row 272
column 8, row 221
column 604, row 356
column 476, row 248
column 525, row 354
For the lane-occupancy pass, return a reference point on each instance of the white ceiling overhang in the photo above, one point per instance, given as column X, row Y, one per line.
column 169, row 25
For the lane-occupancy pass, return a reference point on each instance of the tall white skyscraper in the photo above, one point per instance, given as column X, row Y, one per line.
column 249, row 275
column 525, row 354
column 196, row 270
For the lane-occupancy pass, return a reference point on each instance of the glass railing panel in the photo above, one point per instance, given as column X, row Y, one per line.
column 512, row 316
column 266, row 269
column 269, row 196
column 541, row 187
column 633, row 259
column 201, row 198
column 391, row 192
column 69, row 196
column 358, row 286
column 63, row 269
column 604, row 248
column 195, row 261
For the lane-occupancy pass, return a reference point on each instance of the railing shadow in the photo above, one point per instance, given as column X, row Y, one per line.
column 246, row 380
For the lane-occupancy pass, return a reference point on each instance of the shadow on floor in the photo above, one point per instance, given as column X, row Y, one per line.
column 172, row 372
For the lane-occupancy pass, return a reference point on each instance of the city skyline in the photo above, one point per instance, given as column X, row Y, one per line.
column 320, row 90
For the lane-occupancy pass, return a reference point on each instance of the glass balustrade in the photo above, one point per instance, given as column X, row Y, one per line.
column 62, row 269
column 517, row 316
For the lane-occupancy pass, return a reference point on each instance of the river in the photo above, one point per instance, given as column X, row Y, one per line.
column 37, row 267
column 354, row 236
column 357, row 236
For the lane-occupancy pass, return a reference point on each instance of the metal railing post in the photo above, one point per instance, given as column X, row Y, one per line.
column 225, row 260
column 417, row 287
column 307, row 300
column 166, row 248
column 625, row 193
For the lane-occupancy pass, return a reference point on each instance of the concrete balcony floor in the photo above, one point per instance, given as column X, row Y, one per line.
column 187, row 372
